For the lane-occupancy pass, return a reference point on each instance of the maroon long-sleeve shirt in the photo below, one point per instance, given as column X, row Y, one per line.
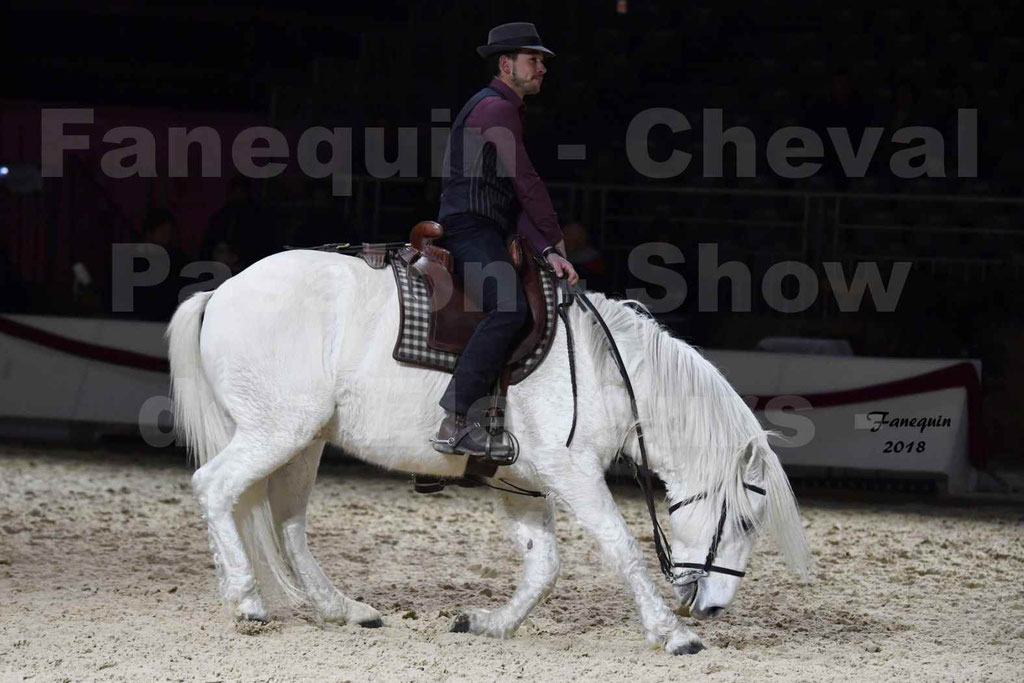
column 500, row 120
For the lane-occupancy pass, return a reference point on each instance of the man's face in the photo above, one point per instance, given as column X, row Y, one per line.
column 526, row 71
column 162, row 234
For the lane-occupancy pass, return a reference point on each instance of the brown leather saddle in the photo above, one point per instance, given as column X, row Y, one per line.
column 454, row 314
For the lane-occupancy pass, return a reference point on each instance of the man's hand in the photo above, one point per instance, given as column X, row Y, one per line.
column 562, row 267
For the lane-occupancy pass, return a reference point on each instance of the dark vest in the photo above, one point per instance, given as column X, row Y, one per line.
column 474, row 181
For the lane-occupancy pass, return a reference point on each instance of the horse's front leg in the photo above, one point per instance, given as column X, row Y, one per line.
column 585, row 494
column 532, row 527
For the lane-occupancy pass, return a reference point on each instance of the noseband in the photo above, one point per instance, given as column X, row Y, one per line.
column 709, row 565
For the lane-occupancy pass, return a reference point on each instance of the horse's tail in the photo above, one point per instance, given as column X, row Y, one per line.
column 207, row 429
column 198, row 418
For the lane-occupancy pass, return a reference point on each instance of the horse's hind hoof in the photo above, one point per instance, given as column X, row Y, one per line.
column 252, row 619
column 461, row 624
column 372, row 623
column 256, row 627
column 250, row 609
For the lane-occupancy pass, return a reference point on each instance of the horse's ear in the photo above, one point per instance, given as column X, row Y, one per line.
column 748, row 455
column 750, row 465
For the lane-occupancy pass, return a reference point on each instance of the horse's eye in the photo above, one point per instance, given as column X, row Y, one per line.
column 746, row 525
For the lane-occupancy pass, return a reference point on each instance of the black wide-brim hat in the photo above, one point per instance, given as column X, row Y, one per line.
column 518, row 35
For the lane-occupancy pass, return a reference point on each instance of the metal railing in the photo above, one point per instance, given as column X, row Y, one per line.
column 811, row 226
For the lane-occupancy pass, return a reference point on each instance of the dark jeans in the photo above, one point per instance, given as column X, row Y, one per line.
column 475, row 244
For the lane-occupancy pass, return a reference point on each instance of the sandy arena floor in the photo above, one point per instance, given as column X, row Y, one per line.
column 105, row 575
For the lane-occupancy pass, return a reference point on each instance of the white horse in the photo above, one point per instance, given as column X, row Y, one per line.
column 295, row 351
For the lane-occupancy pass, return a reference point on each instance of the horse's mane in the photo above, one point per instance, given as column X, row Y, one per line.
column 697, row 429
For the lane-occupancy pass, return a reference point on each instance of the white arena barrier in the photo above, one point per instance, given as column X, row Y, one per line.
column 80, row 371
column 874, row 415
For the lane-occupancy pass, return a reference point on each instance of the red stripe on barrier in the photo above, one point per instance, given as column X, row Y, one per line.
column 75, row 347
column 961, row 375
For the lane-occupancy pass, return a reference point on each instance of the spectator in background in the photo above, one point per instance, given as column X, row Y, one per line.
column 15, row 295
column 241, row 226
column 160, row 234
column 903, row 109
column 224, row 252
column 588, row 261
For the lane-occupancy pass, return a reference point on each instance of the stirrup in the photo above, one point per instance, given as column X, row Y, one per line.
column 502, row 460
column 495, row 429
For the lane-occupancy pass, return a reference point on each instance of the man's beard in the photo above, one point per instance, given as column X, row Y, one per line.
column 522, row 84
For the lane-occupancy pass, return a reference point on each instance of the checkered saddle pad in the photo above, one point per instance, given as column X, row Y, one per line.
column 414, row 303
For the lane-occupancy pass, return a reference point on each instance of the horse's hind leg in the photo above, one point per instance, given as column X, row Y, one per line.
column 288, row 489
column 250, row 457
column 532, row 527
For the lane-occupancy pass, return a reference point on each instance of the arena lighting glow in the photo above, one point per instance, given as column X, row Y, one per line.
column 4, row 170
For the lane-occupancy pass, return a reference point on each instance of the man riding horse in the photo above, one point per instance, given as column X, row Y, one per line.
column 491, row 189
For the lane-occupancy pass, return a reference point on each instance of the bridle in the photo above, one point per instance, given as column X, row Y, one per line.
column 643, row 472
column 700, row 570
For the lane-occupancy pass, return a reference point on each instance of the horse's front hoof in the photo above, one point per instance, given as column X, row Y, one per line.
column 683, row 641
column 688, row 648
column 371, row 623
column 461, row 624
